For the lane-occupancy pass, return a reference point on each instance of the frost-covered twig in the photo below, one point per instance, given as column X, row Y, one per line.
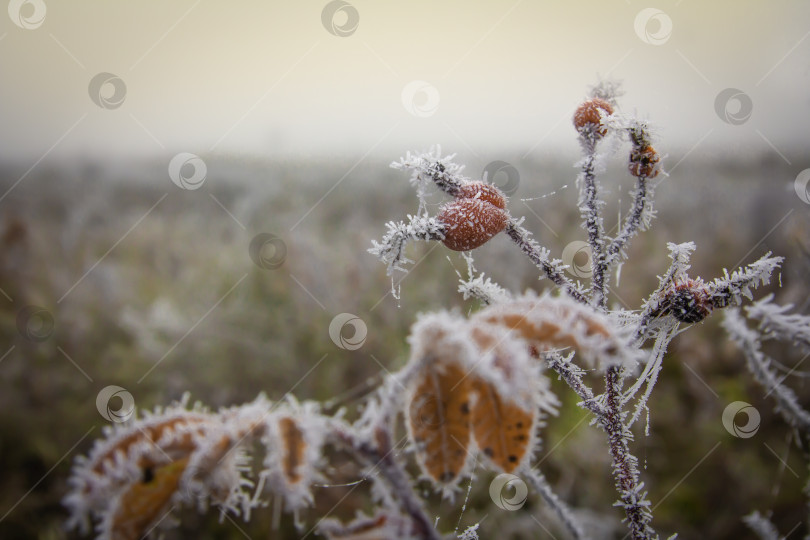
column 760, row 367
column 541, row 485
column 572, row 375
column 589, row 203
column 762, row 526
column 644, row 165
column 777, row 323
column 380, row 455
column 625, row 465
column 553, row 269
column 391, row 249
column 479, row 286
column 730, row 289
column 651, row 310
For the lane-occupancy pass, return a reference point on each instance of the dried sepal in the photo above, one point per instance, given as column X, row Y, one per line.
column 644, row 162
column 439, row 420
column 687, row 301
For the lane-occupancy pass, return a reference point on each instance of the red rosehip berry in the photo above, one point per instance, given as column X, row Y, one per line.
column 588, row 116
column 484, row 192
column 470, row 223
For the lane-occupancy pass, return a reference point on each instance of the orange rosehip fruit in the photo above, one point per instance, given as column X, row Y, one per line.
column 483, row 191
column 588, row 116
column 470, row 223
column 644, row 161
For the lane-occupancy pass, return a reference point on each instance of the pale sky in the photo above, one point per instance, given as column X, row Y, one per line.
column 268, row 78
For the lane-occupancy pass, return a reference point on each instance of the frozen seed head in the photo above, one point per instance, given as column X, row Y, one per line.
column 470, row 223
column 485, row 192
column 644, row 161
column 588, row 116
column 688, row 302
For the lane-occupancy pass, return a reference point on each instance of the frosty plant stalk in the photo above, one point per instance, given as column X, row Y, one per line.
column 475, row 390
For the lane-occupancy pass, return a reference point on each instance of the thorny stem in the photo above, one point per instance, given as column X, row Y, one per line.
column 381, row 455
column 760, row 367
column 445, row 182
column 573, row 378
column 532, row 249
column 593, row 224
column 624, row 463
column 631, row 222
column 540, row 484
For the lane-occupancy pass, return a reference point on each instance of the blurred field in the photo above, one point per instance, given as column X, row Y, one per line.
column 139, row 275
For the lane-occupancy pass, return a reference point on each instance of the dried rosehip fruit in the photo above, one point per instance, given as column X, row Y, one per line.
column 588, row 116
column 644, row 161
column 470, row 223
column 484, row 192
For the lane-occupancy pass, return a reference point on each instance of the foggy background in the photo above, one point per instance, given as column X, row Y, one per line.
column 148, row 147
column 267, row 78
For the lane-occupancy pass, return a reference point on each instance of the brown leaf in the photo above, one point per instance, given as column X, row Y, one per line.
column 144, row 502
column 294, row 447
column 501, row 428
column 439, row 417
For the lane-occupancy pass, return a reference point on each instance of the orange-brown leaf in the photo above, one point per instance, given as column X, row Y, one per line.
column 141, row 505
column 439, row 416
column 501, row 428
column 294, row 447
